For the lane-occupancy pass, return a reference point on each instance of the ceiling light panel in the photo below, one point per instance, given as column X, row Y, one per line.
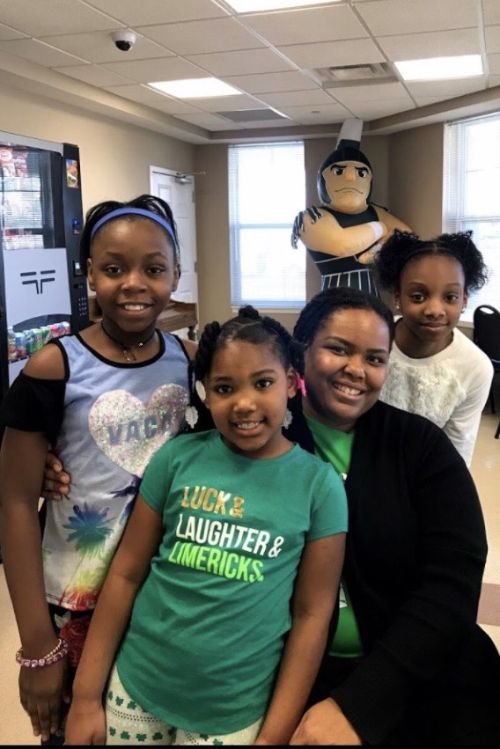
column 440, row 68
column 195, row 88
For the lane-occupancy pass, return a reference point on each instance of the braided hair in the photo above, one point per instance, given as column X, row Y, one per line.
column 404, row 246
column 248, row 326
column 325, row 304
column 147, row 202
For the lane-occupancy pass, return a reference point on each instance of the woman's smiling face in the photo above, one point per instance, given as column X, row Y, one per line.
column 346, row 367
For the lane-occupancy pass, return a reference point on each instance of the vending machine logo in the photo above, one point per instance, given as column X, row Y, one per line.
column 38, row 278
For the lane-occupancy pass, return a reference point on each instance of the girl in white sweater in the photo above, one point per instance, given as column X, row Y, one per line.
column 434, row 369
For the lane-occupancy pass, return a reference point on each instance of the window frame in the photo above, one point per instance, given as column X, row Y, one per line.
column 237, row 226
column 457, row 218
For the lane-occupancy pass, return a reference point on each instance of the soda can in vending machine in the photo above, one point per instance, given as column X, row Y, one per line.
column 11, row 337
column 54, row 330
column 21, row 345
column 29, row 341
column 37, row 335
column 46, row 334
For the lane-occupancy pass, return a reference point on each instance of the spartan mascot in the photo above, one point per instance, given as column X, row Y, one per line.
column 343, row 234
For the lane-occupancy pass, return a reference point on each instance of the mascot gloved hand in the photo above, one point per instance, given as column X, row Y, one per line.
column 343, row 234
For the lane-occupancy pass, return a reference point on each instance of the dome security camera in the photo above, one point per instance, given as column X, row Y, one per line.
column 124, row 40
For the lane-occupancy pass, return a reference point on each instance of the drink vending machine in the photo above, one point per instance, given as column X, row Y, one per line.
column 43, row 292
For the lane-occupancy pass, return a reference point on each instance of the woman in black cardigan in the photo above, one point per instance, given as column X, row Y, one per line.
column 409, row 665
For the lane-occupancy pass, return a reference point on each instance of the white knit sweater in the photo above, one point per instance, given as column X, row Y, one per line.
column 449, row 388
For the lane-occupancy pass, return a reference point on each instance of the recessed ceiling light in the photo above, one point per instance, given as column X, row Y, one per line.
column 252, row 6
column 440, row 68
column 195, row 88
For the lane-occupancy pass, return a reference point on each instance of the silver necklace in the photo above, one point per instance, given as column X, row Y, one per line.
column 127, row 351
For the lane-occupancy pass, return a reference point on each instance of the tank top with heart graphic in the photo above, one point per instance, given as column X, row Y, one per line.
column 116, row 416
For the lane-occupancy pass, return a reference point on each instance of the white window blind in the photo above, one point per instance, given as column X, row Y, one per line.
column 266, row 191
column 472, row 195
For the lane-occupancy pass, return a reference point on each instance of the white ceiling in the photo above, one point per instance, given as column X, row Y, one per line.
column 63, row 49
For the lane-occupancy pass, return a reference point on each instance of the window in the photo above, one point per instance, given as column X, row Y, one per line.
column 471, row 195
column 266, row 191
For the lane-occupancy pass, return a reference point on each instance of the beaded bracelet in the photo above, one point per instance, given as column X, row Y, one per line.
column 56, row 654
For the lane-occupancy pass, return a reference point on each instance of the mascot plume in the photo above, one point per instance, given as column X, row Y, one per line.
column 343, row 234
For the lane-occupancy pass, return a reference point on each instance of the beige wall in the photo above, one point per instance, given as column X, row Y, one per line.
column 416, row 178
column 115, row 157
column 212, row 233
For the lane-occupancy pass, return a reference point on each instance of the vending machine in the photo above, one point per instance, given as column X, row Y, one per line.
column 43, row 292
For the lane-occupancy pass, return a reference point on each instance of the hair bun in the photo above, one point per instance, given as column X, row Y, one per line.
column 405, row 236
column 249, row 312
column 461, row 240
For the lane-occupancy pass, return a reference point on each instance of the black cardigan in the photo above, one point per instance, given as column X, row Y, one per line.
column 415, row 554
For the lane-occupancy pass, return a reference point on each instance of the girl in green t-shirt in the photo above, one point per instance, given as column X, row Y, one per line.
column 235, row 545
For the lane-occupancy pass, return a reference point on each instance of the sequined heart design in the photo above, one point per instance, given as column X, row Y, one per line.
column 128, row 432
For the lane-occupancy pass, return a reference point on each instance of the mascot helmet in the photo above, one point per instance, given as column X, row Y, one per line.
column 347, row 150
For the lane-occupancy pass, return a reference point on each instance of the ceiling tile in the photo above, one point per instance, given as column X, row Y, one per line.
column 210, row 121
column 437, row 44
column 491, row 12
column 403, row 16
column 43, row 54
column 297, row 98
column 271, row 57
column 326, row 54
column 492, row 38
column 315, row 25
column 265, row 124
column 372, row 110
column 53, row 17
column 7, row 33
column 316, row 115
column 99, row 47
column 202, row 37
column 133, row 13
column 158, row 69
column 494, row 64
column 374, row 92
column 145, row 95
column 446, row 89
column 424, row 101
column 93, row 74
column 228, row 103
column 269, row 82
column 241, row 62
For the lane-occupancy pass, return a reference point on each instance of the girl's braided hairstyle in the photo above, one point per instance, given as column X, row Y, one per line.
column 148, row 202
column 248, row 326
column 328, row 302
column 404, row 246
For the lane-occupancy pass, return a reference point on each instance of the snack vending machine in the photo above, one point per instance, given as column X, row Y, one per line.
column 43, row 292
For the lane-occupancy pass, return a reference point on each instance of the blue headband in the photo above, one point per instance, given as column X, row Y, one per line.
column 129, row 211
